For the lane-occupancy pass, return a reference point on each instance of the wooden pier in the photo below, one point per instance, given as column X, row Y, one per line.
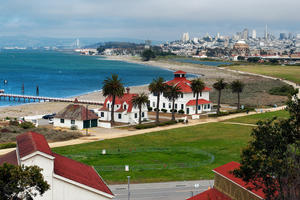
column 27, row 98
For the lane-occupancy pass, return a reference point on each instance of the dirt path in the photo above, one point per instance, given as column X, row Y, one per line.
column 98, row 134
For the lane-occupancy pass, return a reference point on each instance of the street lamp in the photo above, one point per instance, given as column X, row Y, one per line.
column 128, row 187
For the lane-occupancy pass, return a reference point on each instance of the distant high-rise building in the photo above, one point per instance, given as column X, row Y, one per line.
column 185, row 37
column 266, row 32
column 298, row 36
column 218, row 35
column 282, row 36
column 254, row 34
column 291, row 36
column 245, row 34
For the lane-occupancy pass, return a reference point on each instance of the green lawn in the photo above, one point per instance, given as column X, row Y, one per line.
column 252, row 119
column 179, row 154
column 291, row 73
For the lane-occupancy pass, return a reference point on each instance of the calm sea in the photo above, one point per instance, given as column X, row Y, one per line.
column 61, row 74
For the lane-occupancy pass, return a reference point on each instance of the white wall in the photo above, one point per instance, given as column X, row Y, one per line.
column 67, row 123
column 47, row 165
column 180, row 101
column 67, row 191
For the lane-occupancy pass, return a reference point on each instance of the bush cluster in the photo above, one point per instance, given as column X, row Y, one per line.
column 8, row 145
column 145, row 126
column 231, row 112
column 284, row 90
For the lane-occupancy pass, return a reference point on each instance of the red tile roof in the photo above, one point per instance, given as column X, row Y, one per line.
column 10, row 158
column 184, row 84
column 79, row 172
column 30, row 142
column 180, row 72
column 127, row 97
column 211, row 194
column 200, row 101
column 225, row 171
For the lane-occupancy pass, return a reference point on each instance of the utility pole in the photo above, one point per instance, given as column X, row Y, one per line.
column 37, row 91
column 128, row 187
column 86, row 114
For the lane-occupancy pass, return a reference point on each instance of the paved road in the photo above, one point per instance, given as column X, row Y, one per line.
column 166, row 191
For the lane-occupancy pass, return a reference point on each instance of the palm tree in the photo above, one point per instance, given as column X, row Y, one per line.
column 172, row 93
column 237, row 86
column 113, row 87
column 139, row 101
column 157, row 86
column 219, row 86
column 197, row 87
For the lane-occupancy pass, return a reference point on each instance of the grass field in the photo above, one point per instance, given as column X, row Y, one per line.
column 179, row 154
column 252, row 119
column 291, row 73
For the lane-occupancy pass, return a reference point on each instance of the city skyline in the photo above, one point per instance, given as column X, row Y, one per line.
column 156, row 20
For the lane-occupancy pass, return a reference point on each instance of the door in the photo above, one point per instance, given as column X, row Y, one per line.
column 94, row 123
column 187, row 111
column 86, row 124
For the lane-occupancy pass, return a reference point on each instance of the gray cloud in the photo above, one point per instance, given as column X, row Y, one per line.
column 157, row 19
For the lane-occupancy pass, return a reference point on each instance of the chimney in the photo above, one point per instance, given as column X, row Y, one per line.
column 128, row 90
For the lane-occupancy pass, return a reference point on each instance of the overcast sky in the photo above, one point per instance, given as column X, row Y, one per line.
column 145, row 19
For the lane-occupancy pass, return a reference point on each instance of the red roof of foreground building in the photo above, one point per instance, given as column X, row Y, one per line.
column 183, row 83
column 127, row 97
column 225, row 171
column 200, row 101
column 10, row 158
column 31, row 142
column 211, row 194
column 79, row 172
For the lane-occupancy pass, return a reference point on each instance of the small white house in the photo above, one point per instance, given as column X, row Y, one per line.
column 124, row 111
column 75, row 115
column 187, row 101
column 68, row 179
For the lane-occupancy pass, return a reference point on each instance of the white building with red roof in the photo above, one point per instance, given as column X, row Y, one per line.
column 187, row 101
column 124, row 111
column 229, row 187
column 68, row 179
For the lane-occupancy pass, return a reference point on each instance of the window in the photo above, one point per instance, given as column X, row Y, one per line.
column 200, row 94
column 194, row 95
column 205, row 106
column 102, row 114
column 72, row 121
column 108, row 105
column 143, row 114
column 182, row 95
column 153, row 104
column 175, row 105
column 135, row 115
column 199, row 107
column 170, row 105
column 119, row 116
column 155, row 94
column 182, row 106
column 208, row 106
column 62, row 121
column 164, row 105
column 125, row 107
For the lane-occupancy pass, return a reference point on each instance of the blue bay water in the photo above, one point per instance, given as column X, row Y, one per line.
column 61, row 74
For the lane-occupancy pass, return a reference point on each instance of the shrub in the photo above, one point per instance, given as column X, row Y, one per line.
column 174, row 110
column 284, row 90
column 164, row 110
column 167, row 123
column 155, row 109
column 150, row 109
column 7, row 118
column 74, row 127
column 181, row 111
column 27, row 125
column 13, row 123
column 145, row 126
column 8, row 145
column 180, row 120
